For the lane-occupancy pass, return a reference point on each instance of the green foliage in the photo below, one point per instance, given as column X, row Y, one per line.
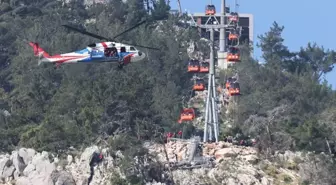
column 52, row 109
column 160, row 10
column 284, row 105
column 116, row 179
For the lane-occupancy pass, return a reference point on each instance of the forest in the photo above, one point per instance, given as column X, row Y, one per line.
column 286, row 104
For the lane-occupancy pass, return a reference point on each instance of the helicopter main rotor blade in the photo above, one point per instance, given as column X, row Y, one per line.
column 140, row 46
column 86, row 33
column 101, row 37
column 129, row 29
column 111, row 39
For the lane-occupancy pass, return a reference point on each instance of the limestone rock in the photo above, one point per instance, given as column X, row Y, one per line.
column 234, row 165
column 18, row 161
column 26, row 154
column 62, row 177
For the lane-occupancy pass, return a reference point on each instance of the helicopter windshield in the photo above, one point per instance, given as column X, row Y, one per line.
column 132, row 48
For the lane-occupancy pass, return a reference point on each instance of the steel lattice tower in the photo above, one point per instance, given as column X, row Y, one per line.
column 211, row 125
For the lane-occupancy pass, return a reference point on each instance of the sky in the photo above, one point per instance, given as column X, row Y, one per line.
column 303, row 21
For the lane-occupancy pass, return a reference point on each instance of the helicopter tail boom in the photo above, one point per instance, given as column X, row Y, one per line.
column 38, row 51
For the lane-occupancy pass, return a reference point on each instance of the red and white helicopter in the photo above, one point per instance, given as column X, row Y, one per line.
column 109, row 51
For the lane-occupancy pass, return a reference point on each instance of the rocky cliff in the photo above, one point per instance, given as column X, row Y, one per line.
column 186, row 161
column 28, row 167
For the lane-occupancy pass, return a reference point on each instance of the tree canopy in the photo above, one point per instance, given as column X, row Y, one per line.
column 52, row 109
column 285, row 103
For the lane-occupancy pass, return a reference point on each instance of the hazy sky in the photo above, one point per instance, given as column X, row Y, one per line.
column 304, row 21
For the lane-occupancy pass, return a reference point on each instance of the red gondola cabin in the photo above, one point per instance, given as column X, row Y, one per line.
column 233, row 54
column 204, row 68
column 199, row 85
column 210, row 10
column 193, row 66
column 188, row 114
column 234, row 89
column 234, row 17
column 233, row 36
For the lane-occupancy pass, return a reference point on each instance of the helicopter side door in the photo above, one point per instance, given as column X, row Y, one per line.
column 111, row 54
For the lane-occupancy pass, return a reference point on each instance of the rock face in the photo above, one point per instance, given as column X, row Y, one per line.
column 230, row 165
column 28, row 167
column 223, row 154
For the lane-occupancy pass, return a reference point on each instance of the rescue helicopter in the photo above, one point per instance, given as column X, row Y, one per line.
column 107, row 51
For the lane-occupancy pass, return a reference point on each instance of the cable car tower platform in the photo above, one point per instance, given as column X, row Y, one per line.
column 211, row 125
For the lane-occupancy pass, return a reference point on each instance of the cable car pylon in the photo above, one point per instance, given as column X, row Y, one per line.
column 211, row 125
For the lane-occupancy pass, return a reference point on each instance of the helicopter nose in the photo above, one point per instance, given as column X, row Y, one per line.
column 138, row 57
column 142, row 55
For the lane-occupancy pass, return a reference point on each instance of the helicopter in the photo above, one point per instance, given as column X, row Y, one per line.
column 107, row 51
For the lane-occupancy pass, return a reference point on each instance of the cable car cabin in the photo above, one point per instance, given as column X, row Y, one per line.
column 230, row 81
column 233, row 17
column 234, row 89
column 233, row 36
column 187, row 114
column 193, row 66
column 233, row 55
column 199, row 85
column 210, row 10
column 233, row 39
column 204, row 68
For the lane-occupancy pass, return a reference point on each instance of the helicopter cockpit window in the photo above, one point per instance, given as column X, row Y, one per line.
column 132, row 48
column 122, row 49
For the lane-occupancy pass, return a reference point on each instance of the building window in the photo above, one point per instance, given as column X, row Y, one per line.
column 244, row 21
